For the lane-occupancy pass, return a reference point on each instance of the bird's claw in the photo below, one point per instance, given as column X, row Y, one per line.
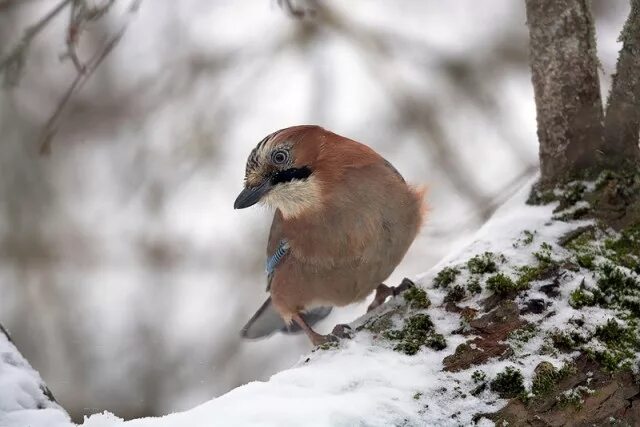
column 339, row 332
column 405, row 285
column 342, row 331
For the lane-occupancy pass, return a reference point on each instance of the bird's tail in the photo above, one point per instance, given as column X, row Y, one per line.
column 267, row 321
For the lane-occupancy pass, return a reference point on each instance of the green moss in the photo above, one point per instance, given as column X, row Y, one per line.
column 528, row 237
column 508, row 383
column 615, row 289
column 618, row 289
column 473, row 286
column 501, row 284
column 567, row 340
column 480, row 379
column 586, row 261
column 575, row 213
column 544, row 255
column 624, row 250
column 417, row 395
column 625, row 181
column 437, row 342
column 621, row 249
column 584, row 247
column 612, row 333
column 329, row 345
column 455, row 294
column 521, row 336
column 582, row 241
column 612, row 361
column 580, row 298
column 545, row 379
column 417, row 298
column 527, row 274
column 574, row 397
column 482, row 264
column 572, row 193
column 418, row 331
column 525, row 240
column 446, row 277
column 567, row 370
column 568, row 196
column 616, row 346
column 380, row 323
column 479, row 376
column 541, row 197
column 622, row 343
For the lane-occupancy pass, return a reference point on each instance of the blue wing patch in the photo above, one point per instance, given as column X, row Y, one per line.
column 274, row 260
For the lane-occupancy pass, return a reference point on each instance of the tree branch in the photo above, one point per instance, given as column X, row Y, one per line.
column 622, row 122
column 12, row 63
column 82, row 76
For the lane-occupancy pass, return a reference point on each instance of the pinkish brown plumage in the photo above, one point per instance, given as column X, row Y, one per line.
column 344, row 220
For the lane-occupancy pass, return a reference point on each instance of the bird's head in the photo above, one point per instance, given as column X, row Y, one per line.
column 280, row 171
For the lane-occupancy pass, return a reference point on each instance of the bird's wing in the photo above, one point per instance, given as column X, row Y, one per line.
column 275, row 234
column 274, row 245
column 267, row 320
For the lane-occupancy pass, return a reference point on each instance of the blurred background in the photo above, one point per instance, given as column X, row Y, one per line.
column 125, row 273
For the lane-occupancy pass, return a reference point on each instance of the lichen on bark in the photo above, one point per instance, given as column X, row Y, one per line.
column 564, row 72
column 622, row 120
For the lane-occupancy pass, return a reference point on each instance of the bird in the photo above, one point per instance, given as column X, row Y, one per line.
column 344, row 219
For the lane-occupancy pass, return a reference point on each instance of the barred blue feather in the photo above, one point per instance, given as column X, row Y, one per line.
column 274, row 260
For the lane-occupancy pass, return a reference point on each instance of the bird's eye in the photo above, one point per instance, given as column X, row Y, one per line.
column 279, row 157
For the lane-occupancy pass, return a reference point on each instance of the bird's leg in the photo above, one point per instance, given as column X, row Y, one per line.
column 342, row 331
column 383, row 292
column 316, row 338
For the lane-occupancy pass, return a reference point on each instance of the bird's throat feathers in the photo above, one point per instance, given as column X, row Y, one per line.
column 296, row 197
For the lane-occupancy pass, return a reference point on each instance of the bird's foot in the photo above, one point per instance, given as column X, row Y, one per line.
column 383, row 292
column 405, row 285
column 339, row 332
column 342, row 331
column 319, row 340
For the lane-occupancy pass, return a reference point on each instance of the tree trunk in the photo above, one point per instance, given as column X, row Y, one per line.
column 622, row 122
column 566, row 86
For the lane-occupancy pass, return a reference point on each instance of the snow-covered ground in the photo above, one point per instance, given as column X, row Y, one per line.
column 24, row 399
column 362, row 382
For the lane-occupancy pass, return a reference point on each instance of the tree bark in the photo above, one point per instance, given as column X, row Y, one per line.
column 622, row 122
column 566, row 86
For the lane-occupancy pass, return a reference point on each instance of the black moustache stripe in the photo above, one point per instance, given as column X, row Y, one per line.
column 288, row 175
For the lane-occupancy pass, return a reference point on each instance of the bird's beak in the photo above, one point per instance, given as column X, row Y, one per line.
column 252, row 195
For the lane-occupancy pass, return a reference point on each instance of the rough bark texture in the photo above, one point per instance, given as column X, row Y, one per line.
column 566, row 86
column 615, row 401
column 622, row 122
column 491, row 329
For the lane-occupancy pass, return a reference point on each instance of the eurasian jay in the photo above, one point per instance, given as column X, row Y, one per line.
column 344, row 219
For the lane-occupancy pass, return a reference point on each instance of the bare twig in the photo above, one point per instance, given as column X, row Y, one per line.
column 294, row 11
column 8, row 4
column 73, row 33
column 83, row 75
column 11, row 64
column 80, row 15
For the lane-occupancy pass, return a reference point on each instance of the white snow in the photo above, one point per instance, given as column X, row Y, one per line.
column 23, row 402
column 364, row 382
